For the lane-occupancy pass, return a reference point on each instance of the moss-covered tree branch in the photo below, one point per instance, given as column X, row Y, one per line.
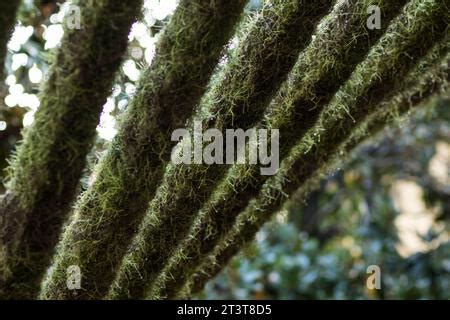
column 373, row 80
column 108, row 213
column 45, row 171
column 237, row 99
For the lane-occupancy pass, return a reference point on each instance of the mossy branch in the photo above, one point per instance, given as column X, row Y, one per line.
column 237, row 98
column 8, row 12
column 374, row 79
column 428, row 81
column 108, row 213
column 45, row 171
column 342, row 41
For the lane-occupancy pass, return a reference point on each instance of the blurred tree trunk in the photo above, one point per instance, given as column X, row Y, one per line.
column 149, row 228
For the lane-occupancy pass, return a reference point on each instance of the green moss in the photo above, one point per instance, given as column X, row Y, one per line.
column 45, row 171
column 108, row 213
column 407, row 40
column 8, row 12
column 430, row 79
column 238, row 97
column 331, row 100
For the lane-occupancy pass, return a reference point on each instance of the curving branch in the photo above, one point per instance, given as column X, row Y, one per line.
column 45, row 171
column 238, row 98
column 407, row 40
column 108, row 213
column 429, row 80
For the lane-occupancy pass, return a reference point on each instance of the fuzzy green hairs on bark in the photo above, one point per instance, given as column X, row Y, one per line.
column 429, row 80
column 8, row 12
column 45, row 171
column 237, row 99
column 108, row 213
column 400, row 48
